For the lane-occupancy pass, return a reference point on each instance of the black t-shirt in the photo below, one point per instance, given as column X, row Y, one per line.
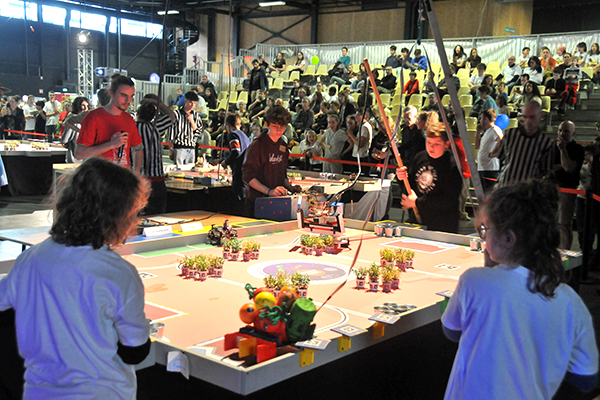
column 413, row 142
column 569, row 179
column 258, row 108
column 255, row 79
column 557, row 84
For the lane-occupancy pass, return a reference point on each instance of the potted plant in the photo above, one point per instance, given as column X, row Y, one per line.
column 319, row 245
column 301, row 282
column 328, row 239
column 255, row 250
column 303, row 242
column 185, row 265
column 202, row 267
column 211, row 265
column 310, row 242
column 374, row 277
column 387, row 275
column 247, row 249
column 387, row 256
column 409, row 256
column 361, row 274
column 235, row 248
column 396, row 279
column 226, row 248
column 218, row 263
column 281, row 280
column 400, row 257
column 270, row 282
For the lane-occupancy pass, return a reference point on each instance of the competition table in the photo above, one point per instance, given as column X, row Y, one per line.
column 29, row 171
column 197, row 314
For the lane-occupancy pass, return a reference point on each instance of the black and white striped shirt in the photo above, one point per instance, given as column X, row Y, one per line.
column 152, row 165
column 181, row 133
column 524, row 156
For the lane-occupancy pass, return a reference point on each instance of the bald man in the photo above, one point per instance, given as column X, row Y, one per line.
column 525, row 151
column 567, row 163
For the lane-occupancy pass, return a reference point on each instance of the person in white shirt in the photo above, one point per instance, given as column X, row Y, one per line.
column 535, row 70
column 510, row 73
column 488, row 167
column 524, row 58
column 29, row 111
column 362, row 143
column 580, row 55
column 477, row 78
column 52, row 110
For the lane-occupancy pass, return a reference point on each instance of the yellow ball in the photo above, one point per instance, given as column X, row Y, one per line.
column 264, row 299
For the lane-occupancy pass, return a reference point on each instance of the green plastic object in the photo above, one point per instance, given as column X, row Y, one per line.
column 298, row 326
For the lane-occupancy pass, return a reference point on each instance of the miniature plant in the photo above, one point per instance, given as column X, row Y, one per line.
column 387, row 254
column 304, row 239
column 235, row 245
column 361, row 272
column 202, row 263
column 374, row 272
column 217, row 262
column 328, row 239
column 387, row 274
column 247, row 246
column 300, row 280
column 310, row 241
column 409, row 254
column 227, row 244
column 400, row 255
column 319, row 243
column 281, row 279
column 255, row 245
column 270, row 281
column 189, row 262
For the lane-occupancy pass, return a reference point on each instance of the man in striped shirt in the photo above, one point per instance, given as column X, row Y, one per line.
column 183, row 133
column 152, row 127
column 525, row 151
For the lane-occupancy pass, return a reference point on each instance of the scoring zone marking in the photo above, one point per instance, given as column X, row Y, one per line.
column 321, row 272
column 420, row 245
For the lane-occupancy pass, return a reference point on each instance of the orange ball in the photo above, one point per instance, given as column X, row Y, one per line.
column 248, row 312
column 287, row 295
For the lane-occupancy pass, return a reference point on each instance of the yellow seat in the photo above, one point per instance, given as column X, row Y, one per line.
column 395, row 110
column 446, row 100
column 277, row 85
column 310, row 70
column 493, row 65
column 416, row 100
column 285, row 75
column 296, row 149
column 385, row 99
column 274, row 74
column 462, row 90
column 294, row 75
column 467, row 110
column 466, row 100
column 512, row 123
column 222, row 95
column 398, row 99
column 435, row 68
column 243, row 96
column 589, row 71
column 233, row 97
column 322, row 70
column 471, row 123
column 463, row 72
column 464, row 81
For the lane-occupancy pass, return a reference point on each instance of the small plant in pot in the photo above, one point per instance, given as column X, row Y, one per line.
column 361, row 274
column 281, row 279
column 400, row 259
column 374, row 277
column 409, row 256
column 310, row 242
column 270, row 282
column 226, row 248
column 396, row 279
column 236, row 245
column 247, row 247
column 185, row 265
column 217, row 264
column 387, row 275
column 202, row 266
column 329, row 247
column 255, row 250
column 304, row 242
column 387, row 256
column 301, row 282
column 319, row 246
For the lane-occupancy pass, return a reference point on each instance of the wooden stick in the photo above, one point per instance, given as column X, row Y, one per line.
column 390, row 133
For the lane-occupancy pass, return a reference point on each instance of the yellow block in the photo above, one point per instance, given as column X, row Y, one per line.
column 378, row 330
column 344, row 343
column 247, row 346
column 307, row 357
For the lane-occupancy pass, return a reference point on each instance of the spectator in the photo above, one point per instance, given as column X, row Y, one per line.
column 560, row 51
column 412, row 86
column 473, row 61
column 488, row 80
column 295, row 89
column 419, row 61
column 208, row 85
column 487, row 137
column 238, row 143
column 413, row 140
column 300, row 63
column 69, row 138
column 476, row 79
column 310, row 147
column 429, row 83
column 524, row 59
column 364, row 99
column 517, row 94
column 361, row 142
column 565, row 173
column 304, row 119
column 388, row 83
column 515, row 302
column 433, row 105
column 321, row 118
column 535, row 70
column 593, row 61
column 585, row 183
column 532, row 93
column 211, row 98
column 501, row 88
column 29, row 112
column 546, row 61
column 510, row 73
column 502, row 105
column 579, row 57
column 258, row 105
column 392, row 60
column 52, row 110
column 345, row 59
column 257, row 81
column 556, row 88
column 315, row 104
column 332, row 94
column 279, row 64
column 241, row 110
column 333, row 142
column 40, row 117
column 270, row 103
column 179, row 100
column 443, row 86
column 13, row 118
column 346, row 107
column 484, row 102
column 405, row 60
column 459, row 58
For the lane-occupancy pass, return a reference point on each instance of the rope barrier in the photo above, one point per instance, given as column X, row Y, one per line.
column 30, row 133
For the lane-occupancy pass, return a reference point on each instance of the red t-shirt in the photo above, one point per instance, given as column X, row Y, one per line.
column 99, row 126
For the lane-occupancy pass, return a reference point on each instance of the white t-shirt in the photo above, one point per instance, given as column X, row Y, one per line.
column 315, row 150
column 580, row 58
column 593, row 59
column 476, row 79
column 509, row 73
column 516, row 344
column 488, row 142
column 201, row 106
column 534, row 76
column 72, row 306
column 367, row 131
column 29, row 122
column 53, row 119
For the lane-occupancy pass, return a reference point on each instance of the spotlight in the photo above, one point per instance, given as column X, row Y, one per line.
column 83, row 37
column 272, row 3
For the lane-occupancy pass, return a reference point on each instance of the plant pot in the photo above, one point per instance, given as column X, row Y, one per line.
column 226, row 254
column 185, row 271
column 373, row 286
column 302, row 292
column 360, row 283
column 401, row 266
column 409, row 264
column 330, row 249
column 255, row 255
column 276, row 292
column 218, row 272
column 202, row 275
column 303, row 249
column 246, row 257
column 191, row 272
column 396, row 284
column 234, row 256
column 309, row 251
column 318, row 251
column 211, row 270
column 386, row 287
column 382, row 262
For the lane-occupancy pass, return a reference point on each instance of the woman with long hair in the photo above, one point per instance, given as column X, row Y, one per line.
column 522, row 329
column 534, row 70
column 474, row 60
column 300, row 63
column 69, row 137
column 459, row 58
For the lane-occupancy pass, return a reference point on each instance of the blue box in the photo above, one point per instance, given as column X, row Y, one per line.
column 274, row 208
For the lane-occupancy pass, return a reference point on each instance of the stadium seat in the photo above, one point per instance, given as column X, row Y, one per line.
column 462, row 90
column 463, row 72
column 512, row 123
column 274, row 74
column 416, row 100
column 322, row 70
column 285, row 75
column 464, row 81
column 243, row 96
column 233, row 97
column 310, row 71
column 446, row 100
column 222, row 95
column 493, row 65
column 385, row 99
column 466, row 100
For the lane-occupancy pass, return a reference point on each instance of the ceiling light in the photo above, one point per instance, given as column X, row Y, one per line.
column 170, row 12
column 83, row 37
column 272, row 3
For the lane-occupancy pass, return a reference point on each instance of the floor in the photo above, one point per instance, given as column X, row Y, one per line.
column 403, row 370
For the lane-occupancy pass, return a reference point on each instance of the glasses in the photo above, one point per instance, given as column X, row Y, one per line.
column 482, row 231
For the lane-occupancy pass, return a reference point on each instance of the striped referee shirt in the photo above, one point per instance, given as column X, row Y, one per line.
column 152, row 164
column 523, row 156
column 181, row 133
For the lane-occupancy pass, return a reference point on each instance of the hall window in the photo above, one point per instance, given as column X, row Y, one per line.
column 53, row 15
column 14, row 9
